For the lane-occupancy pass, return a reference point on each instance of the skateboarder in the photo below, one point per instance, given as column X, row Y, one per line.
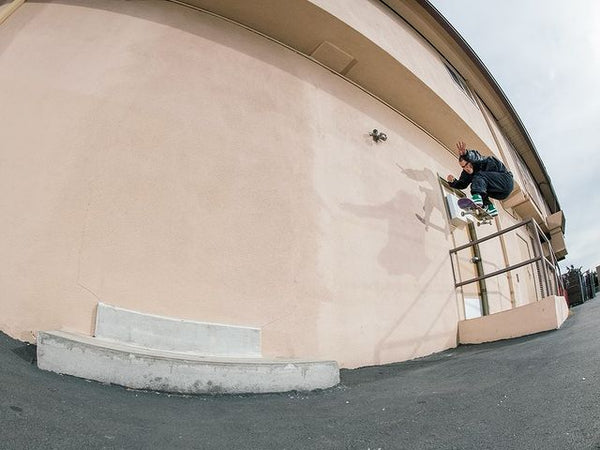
column 487, row 176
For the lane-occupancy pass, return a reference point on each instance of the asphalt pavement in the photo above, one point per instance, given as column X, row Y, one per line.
column 536, row 392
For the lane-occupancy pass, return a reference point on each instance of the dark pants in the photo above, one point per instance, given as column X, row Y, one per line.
column 496, row 185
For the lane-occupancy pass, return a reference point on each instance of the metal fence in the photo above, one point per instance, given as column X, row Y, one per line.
column 549, row 280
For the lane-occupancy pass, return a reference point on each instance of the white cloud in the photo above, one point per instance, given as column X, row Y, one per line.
column 546, row 58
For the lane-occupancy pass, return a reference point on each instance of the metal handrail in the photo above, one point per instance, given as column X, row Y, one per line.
column 491, row 236
column 539, row 258
column 498, row 272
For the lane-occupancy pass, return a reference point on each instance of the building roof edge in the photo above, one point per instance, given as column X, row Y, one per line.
column 445, row 26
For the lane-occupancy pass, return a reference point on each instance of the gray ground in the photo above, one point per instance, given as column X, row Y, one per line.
column 539, row 392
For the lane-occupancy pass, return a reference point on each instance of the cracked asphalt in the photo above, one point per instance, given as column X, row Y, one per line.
column 537, row 392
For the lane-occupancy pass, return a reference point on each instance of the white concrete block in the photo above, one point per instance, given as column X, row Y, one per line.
column 165, row 333
column 457, row 215
column 138, row 368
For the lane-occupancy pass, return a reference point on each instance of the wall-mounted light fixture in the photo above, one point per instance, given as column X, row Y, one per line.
column 377, row 136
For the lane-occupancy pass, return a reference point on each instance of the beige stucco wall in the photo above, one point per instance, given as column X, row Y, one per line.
column 164, row 160
column 393, row 34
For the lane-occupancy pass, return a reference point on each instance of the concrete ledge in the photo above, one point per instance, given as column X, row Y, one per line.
column 165, row 333
column 134, row 367
column 547, row 314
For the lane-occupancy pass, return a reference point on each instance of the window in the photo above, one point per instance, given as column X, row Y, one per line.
column 460, row 81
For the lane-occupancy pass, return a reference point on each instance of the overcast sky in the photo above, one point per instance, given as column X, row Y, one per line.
column 545, row 55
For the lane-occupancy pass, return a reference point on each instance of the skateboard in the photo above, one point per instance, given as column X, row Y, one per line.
column 469, row 207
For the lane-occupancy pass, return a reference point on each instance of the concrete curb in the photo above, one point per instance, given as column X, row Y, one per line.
column 141, row 368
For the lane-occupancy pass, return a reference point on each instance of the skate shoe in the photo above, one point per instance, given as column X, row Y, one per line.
column 477, row 200
column 491, row 210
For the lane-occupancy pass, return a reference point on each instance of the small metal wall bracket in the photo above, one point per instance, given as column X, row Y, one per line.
column 377, row 136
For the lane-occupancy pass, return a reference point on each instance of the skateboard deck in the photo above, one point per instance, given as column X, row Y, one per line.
column 469, row 207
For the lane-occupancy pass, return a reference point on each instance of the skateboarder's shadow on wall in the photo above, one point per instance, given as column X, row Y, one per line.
column 403, row 229
column 432, row 195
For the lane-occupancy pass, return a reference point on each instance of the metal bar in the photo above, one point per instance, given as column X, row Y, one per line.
column 452, row 264
column 537, row 253
column 558, row 275
column 553, row 264
column 476, row 251
column 540, row 231
column 558, row 285
column 491, row 236
column 555, row 268
column 543, row 270
column 497, row 272
column 555, row 278
column 549, row 268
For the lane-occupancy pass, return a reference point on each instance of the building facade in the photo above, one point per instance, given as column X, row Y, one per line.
column 215, row 160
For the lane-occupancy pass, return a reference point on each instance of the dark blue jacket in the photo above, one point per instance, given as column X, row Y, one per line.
column 480, row 164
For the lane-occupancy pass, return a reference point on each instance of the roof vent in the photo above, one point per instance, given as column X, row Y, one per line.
column 333, row 57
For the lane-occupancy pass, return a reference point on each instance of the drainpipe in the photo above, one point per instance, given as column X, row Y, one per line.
column 483, row 109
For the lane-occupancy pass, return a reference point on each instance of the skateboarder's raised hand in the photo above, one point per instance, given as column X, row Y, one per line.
column 462, row 148
column 462, row 151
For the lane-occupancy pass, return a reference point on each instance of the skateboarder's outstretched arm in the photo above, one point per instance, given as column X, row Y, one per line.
column 460, row 183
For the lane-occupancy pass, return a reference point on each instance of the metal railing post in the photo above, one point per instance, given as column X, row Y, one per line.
column 542, row 274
